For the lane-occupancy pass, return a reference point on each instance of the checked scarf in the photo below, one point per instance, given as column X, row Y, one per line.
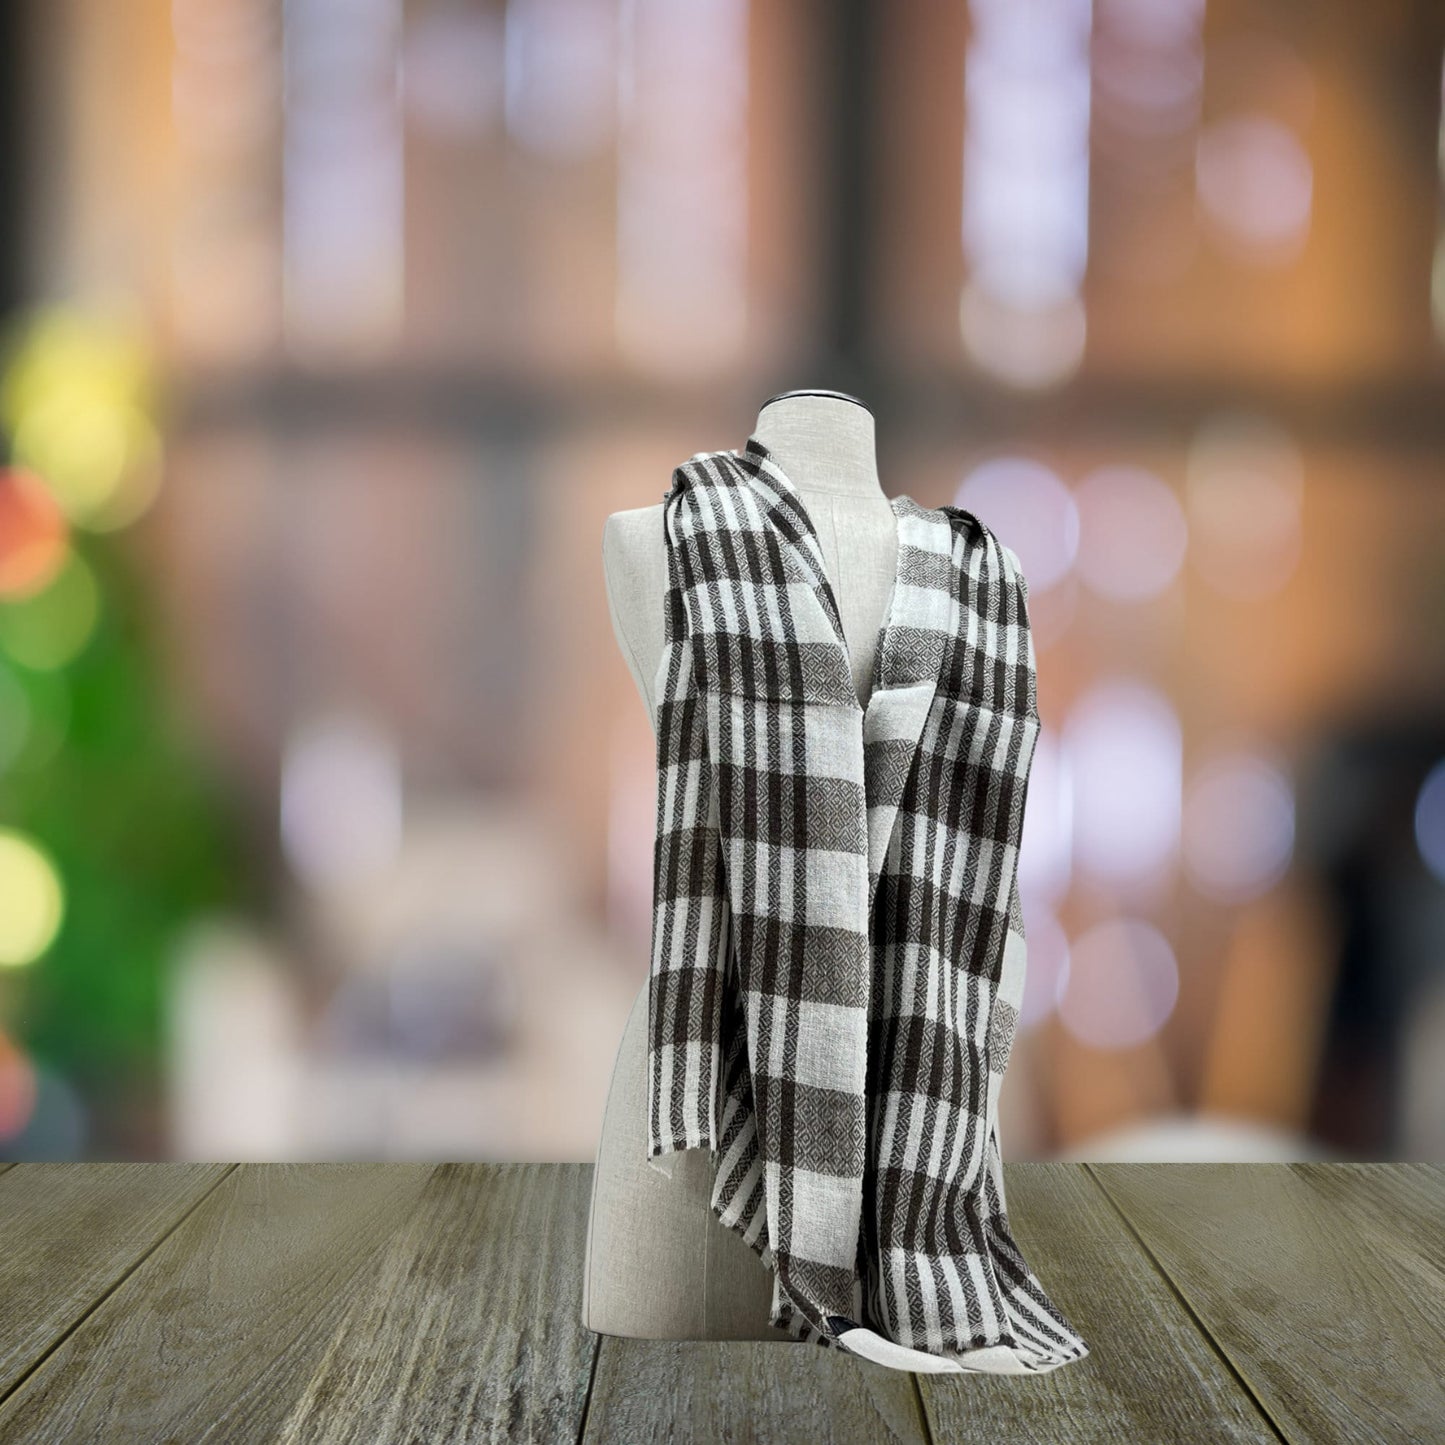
column 837, row 952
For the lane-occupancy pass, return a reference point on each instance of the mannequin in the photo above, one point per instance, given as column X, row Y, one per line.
column 659, row 1265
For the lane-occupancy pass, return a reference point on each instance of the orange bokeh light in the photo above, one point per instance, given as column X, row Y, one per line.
column 33, row 533
column 17, row 1089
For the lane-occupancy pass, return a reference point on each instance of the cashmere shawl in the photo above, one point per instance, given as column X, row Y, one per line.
column 838, row 952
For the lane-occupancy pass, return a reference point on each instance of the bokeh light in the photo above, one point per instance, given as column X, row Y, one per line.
column 75, row 401
column 1046, row 974
column 1132, row 533
column 100, row 457
column 1026, row 189
column 341, row 803
column 1124, row 748
column 1255, row 183
column 1151, row 67
column 35, row 710
column 1122, row 985
column 1238, row 832
column 1028, row 347
column 561, row 76
column 1030, row 509
column 1430, row 820
column 17, row 1088
column 31, row 900
column 58, row 1126
column 396, row 301
column 342, row 180
column 33, row 533
column 59, row 352
column 1046, row 847
column 50, row 629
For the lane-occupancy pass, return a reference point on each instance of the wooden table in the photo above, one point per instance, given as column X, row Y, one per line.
column 419, row 1303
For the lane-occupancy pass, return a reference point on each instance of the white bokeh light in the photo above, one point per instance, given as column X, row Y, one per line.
column 1239, row 820
column 1028, row 348
column 1123, row 747
column 341, row 803
column 1132, row 533
column 1025, row 221
column 1255, row 183
column 1430, row 820
column 560, row 76
column 343, row 223
column 1046, row 847
column 1030, row 510
column 1159, row 24
column 1046, row 973
column 1123, row 983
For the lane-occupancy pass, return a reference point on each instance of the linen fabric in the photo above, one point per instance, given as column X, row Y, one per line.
column 837, row 952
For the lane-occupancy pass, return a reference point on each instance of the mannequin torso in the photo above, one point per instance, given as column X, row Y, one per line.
column 659, row 1265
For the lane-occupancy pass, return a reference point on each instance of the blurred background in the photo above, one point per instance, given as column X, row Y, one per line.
column 334, row 330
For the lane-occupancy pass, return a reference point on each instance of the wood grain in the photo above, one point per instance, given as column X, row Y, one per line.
column 1324, row 1284
column 70, row 1232
column 378, row 1303
column 223, row 1326
column 1149, row 1375
column 740, row 1391
column 471, row 1327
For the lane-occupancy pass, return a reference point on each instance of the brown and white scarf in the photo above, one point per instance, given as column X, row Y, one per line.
column 837, row 951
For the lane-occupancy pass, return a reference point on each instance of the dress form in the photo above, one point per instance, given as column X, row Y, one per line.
column 659, row 1265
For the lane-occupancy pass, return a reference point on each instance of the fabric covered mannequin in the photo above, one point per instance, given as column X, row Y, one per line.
column 659, row 1265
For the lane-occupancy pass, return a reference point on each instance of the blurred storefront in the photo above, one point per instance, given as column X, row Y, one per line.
column 338, row 329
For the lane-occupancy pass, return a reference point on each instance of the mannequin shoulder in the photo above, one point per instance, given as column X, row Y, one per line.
column 632, row 532
column 633, row 545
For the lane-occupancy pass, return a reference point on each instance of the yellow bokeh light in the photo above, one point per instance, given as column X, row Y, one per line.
column 76, row 399
column 78, row 445
column 32, row 903
column 61, row 353
column 89, row 450
column 139, row 484
column 51, row 628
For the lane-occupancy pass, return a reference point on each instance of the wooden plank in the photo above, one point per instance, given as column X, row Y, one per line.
column 665, row 1391
column 1324, row 1284
column 1150, row 1374
column 472, row 1327
column 70, row 1233
column 219, row 1330
column 340, row 1302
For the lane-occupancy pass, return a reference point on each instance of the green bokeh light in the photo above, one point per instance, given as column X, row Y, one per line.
column 51, row 629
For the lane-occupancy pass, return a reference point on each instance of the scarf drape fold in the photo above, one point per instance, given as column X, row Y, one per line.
column 838, row 950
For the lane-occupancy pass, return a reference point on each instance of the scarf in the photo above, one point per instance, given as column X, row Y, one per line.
column 838, row 953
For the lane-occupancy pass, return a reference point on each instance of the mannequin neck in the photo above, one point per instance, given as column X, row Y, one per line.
column 823, row 444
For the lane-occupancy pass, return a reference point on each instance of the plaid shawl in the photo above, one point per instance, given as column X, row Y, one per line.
column 837, row 953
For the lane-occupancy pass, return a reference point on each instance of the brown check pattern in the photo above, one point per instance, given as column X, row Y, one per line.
column 838, row 953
